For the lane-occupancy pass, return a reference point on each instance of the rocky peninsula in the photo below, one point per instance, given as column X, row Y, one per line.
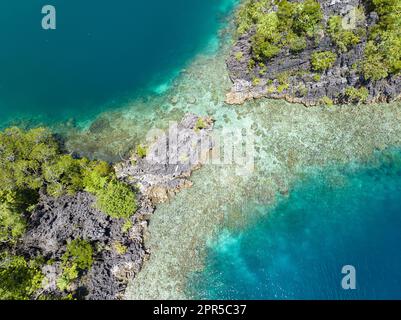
column 72, row 247
column 317, row 51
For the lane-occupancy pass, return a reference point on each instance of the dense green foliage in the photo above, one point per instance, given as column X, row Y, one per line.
column 291, row 25
column 200, row 124
column 19, row 279
column 117, row 200
column 383, row 51
column 77, row 258
column 357, row 95
column 141, row 151
column 78, row 252
column 323, row 60
column 344, row 39
column 31, row 161
column 23, row 155
column 280, row 24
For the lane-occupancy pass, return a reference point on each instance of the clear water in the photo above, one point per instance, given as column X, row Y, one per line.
column 102, row 53
column 336, row 217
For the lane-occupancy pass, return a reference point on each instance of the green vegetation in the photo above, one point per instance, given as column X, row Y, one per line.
column 63, row 175
column 355, row 95
column 96, row 175
column 120, row 248
column 239, row 55
column 282, row 87
column 374, row 65
column 80, row 253
column 127, row 226
column 344, row 39
column 12, row 220
column 77, row 258
column 291, row 25
column 317, row 77
column 31, row 161
column 256, row 81
column 200, row 124
column 296, row 43
column 282, row 26
column 19, row 279
column 383, row 51
column 117, row 200
column 326, row 101
column 323, row 60
column 141, row 151
column 23, row 155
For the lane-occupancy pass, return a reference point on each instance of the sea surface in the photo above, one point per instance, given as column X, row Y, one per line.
column 101, row 54
column 336, row 217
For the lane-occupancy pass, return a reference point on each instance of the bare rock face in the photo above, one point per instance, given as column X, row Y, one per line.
column 170, row 159
column 57, row 221
column 302, row 84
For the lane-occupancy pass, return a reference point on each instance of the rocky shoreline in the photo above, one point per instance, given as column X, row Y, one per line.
column 290, row 75
column 119, row 248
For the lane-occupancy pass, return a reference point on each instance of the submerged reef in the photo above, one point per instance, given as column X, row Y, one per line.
column 317, row 51
column 81, row 236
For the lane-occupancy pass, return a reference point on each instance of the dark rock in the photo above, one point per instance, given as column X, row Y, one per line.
column 55, row 222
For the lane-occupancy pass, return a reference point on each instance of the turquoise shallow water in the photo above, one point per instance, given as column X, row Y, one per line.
column 101, row 54
column 336, row 217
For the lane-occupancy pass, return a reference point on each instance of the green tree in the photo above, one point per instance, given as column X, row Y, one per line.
column 117, row 200
column 344, row 39
column 19, row 279
column 355, row 95
column 323, row 60
column 77, row 258
column 383, row 52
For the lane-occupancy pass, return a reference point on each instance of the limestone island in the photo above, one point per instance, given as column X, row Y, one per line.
column 317, row 51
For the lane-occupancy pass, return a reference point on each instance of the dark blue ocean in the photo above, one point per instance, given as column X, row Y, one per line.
column 335, row 217
column 101, row 54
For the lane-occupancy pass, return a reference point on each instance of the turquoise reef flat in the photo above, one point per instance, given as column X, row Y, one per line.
column 336, row 217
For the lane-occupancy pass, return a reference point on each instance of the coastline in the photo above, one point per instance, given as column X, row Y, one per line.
column 290, row 139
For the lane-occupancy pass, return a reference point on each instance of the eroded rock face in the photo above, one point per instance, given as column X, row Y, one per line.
column 55, row 222
column 170, row 160
column 303, row 86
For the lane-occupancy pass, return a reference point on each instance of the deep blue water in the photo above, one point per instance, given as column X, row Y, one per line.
column 336, row 217
column 100, row 53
